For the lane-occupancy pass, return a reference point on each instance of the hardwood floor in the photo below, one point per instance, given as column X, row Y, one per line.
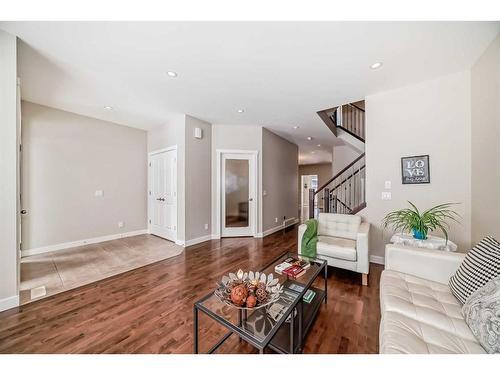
column 150, row 309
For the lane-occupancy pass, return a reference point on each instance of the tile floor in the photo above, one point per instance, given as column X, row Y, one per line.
column 67, row 269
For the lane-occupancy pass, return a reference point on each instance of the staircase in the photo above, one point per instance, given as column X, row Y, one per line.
column 345, row 192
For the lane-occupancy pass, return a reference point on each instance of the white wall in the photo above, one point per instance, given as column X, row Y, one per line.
column 198, row 179
column 485, row 102
column 66, row 159
column 279, row 179
column 174, row 134
column 8, row 169
column 431, row 117
column 236, row 137
column 342, row 156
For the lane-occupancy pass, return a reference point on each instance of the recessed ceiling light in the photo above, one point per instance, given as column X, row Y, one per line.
column 172, row 74
column 376, row 65
column 309, row 138
column 108, row 108
column 319, row 145
column 295, row 127
column 241, row 110
column 313, row 152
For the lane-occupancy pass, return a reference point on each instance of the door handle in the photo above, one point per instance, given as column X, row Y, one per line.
column 24, row 212
column 250, row 200
column 160, row 199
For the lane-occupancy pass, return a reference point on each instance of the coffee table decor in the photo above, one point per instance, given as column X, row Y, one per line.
column 248, row 290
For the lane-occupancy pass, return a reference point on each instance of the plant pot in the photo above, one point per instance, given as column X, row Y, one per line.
column 419, row 235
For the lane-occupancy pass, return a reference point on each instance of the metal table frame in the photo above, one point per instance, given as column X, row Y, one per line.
column 294, row 309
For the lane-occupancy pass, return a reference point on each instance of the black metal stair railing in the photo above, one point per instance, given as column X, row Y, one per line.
column 345, row 192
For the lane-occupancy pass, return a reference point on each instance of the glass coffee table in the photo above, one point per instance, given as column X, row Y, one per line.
column 280, row 326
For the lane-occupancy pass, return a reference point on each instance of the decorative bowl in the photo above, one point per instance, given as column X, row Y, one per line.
column 250, row 280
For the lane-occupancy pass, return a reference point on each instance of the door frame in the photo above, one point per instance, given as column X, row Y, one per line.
column 302, row 195
column 256, row 199
column 148, row 194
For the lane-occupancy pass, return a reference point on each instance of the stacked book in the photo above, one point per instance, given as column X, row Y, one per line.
column 292, row 267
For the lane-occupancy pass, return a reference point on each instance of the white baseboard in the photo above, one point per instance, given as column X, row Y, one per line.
column 292, row 221
column 179, row 242
column 9, row 303
column 68, row 245
column 279, row 227
column 377, row 259
column 198, row 240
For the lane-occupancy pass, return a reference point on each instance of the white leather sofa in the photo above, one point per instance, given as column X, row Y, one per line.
column 342, row 242
column 419, row 312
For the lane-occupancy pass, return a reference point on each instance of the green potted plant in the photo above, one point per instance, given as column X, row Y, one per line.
column 412, row 221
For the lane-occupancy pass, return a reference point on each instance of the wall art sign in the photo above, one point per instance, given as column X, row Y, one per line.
column 415, row 170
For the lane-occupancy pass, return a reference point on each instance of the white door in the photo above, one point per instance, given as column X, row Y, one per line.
column 238, row 194
column 163, row 194
column 308, row 182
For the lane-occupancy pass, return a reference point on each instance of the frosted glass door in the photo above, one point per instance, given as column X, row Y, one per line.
column 237, row 195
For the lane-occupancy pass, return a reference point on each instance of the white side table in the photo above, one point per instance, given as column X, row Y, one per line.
column 432, row 242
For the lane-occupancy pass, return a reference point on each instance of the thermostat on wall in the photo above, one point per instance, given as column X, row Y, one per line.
column 198, row 133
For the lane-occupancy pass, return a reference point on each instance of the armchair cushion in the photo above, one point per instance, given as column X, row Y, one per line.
column 336, row 247
column 338, row 225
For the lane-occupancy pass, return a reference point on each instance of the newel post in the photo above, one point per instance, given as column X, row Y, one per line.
column 326, row 200
column 311, row 203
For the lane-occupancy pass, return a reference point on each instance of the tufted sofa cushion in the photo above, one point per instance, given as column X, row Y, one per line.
column 421, row 316
column 402, row 335
column 338, row 225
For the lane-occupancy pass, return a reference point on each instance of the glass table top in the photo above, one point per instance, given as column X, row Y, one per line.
column 261, row 324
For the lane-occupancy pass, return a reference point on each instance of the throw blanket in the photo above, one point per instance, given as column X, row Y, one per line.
column 310, row 238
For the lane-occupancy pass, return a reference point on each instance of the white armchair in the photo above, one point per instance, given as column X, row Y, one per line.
column 342, row 242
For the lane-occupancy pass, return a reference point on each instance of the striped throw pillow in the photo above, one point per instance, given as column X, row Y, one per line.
column 480, row 265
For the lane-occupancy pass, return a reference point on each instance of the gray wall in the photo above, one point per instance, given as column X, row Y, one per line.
column 236, row 137
column 174, row 134
column 66, row 158
column 280, row 160
column 431, row 117
column 323, row 171
column 198, row 176
column 9, row 275
column 485, row 100
column 193, row 167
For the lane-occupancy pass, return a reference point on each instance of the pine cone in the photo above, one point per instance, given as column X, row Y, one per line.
column 261, row 295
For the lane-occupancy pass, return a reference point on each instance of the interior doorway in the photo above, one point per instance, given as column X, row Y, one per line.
column 162, row 193
column 307, row 182
column 237, row 193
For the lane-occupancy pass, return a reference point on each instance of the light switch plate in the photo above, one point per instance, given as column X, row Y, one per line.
column 99, row 193
column 387, row 185
column 120, row 224
column 386, row 196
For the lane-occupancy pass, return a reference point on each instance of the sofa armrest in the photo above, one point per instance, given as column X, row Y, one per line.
column 434, row 265
column 362, row 248
column 302, row 229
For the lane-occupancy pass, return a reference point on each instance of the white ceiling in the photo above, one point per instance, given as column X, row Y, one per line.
column 281, row 73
